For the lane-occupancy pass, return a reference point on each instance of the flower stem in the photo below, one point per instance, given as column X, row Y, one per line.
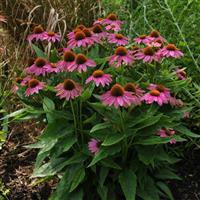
column 74, row 117
column 125, row 144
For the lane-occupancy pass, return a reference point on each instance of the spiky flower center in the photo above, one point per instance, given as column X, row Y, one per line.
column 40, row 62
column 158, row 41
column 148, row 51
column 171, row 47
column 38, row 29
column 80, row 59
column 69, row 84
column 160, row 88
column 112, row 17
column 155, row 93
column 80, row 27
column 18, row 80
column 142, row 36
column 53, row 65
column 98, row 73
column 99, row 19
column 154, row 34
column 130, row 87
column 33, row 83
column 117, row 90
column 121, row 51
column 119, row 36
column 79, row 35
column 69, row 56
column 87, row 32
column 97, row 28
column 51, row 33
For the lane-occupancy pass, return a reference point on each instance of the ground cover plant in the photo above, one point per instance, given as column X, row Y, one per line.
column 112, row 107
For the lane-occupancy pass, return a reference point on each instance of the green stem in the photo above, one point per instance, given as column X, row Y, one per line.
column 74, row 117
column 125, row 144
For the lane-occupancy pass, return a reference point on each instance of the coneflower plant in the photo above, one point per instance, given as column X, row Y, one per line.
column 113, row 111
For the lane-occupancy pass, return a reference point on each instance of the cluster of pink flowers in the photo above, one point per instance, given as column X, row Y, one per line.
column 167, row 133
column 156, row 48
column 40, row 34
column 148, row 48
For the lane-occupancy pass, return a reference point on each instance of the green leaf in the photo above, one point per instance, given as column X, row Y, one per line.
column 166, row 174
column 48, row 104
column 14, row 114
column 102, row 176
column 90, row 119
column 128, row 182
column 186, row 131
column 147, row 154
column 44, row 152
column 78, row 178
column 99, row 156
column 101, row 126
column 112, row 139
column 107, row 162
column 39, row 52
column 49, row 107
column 88, row 92
column 103, row 192
column 62, row 189
column 165, row 189
column 76, row 195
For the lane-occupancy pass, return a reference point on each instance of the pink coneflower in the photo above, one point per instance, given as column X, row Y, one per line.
column 69, row 58
column 170, row 51
column 99, row 21
column 25, row 81
column 38, row 68
column 155, row 96
column 117, row 96
column 181, row 74
column 79, row 40
column 99, row 78
column 81, row 63
column 93, row 146
column 167, row 132
column 99, row 33
column 112, row 19
column 51, row 36
column 38, row 34
column 155, row 35
column 121, row 57
column 175, row 102
column 68, row 90
column 161, row 88
column 156, row 43
column 15, row 88
column 135, row 91
column 148, row 54
column 34, row 86
column 114, row 27
column 90, row 39
column 52, row 68
column 135, row 50
column 118, row 39
column 142, row 39
column 71, row 35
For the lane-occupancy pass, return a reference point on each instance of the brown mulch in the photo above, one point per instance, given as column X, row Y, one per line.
column 16, row 164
